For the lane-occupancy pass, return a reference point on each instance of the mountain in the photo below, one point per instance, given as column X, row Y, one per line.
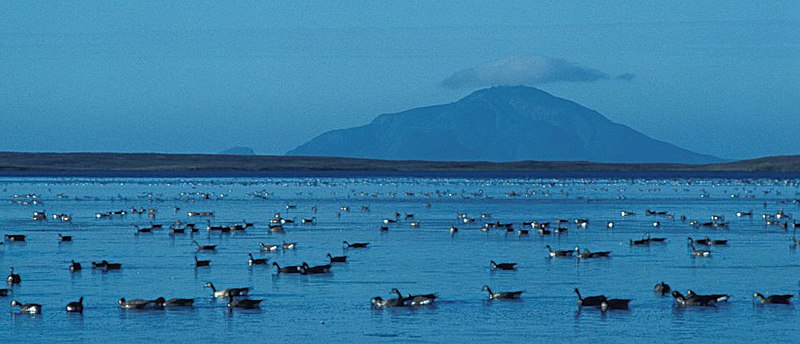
column 499, row 124
column 238, row 151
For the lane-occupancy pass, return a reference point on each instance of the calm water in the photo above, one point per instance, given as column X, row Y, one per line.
column 336, row 307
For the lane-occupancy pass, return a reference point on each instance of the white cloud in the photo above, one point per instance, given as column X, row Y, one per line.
column 525, row 70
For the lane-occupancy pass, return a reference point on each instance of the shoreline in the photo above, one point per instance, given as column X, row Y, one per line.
column 402, row 174
column 208, row 165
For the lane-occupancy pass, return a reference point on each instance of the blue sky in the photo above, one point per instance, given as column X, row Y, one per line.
column 200, row 76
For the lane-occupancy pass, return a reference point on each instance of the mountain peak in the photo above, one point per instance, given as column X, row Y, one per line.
column 510, row 94
column 503, row 123
column 509, row 91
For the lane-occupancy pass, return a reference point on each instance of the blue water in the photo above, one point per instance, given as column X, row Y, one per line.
column 336, row 307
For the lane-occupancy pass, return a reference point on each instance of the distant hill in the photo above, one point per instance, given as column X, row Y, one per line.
column 238, row 151
column 499, row 124
column 89, row 163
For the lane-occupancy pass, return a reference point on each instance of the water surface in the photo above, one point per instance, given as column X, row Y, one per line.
column 336, row 308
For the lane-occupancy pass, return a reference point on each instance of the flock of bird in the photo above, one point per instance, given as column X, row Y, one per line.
column 237, row 298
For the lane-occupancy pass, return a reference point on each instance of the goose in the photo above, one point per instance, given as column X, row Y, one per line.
column 699, row 253
column 560, row 230
column 780, row 299
column 626, row 213
column 75, row 266
column 544, row 231
column 379, row 302
column 416, row 300
column 502, row 266
column 383, row 229
column 244, row 303
column 355, row 244
column 717, row 297
column 201, row 263
column 175, row 302
column 39, row 215
column 609, row 224
column 704, row 242
column 502, row 295
column 175, row 230
column 268, row 248
column 337, row 259
column 314, row 270
column 237, row 227
column 204, row 247
column 453, row 229
column 144, row 230
column 141, row 304
column 256, row 261
column 64, row 237
column 744, row 213
column 291, row 269
column 76, row 306
column 614, row 304
column 716, row 242
column 421, row 300
column 589, row 254
column 389, row 221
column 13, row 278
column 590, row 300
column 106, row 266
column 558, row 253
column 276, row 228
column 211, row 228
column 662, row 288
column 227, row 293
column 693, row 300
column 289, row 245
column 33, row 308
column 307, row 221
column 15, row 237
column 647, row 240
column 3, row 292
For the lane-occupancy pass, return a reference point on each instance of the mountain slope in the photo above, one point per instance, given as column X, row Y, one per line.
column 498, row 124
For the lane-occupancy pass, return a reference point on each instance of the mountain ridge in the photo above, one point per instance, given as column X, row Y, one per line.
column 505, row 123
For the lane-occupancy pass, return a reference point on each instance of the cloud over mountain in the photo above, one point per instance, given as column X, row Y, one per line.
column 525, row 70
